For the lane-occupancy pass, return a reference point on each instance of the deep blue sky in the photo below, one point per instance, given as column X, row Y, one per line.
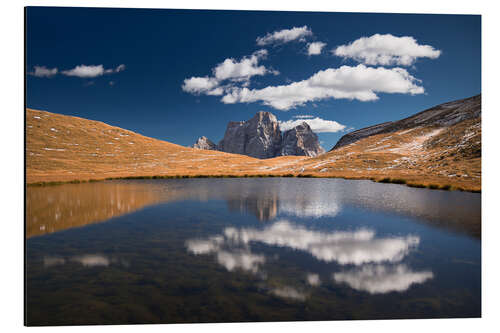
column 161, row 48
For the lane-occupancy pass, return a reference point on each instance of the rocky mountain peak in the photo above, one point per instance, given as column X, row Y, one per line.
column 261, row 137
column 302, row 141
column 204, row 143
column 264, row 116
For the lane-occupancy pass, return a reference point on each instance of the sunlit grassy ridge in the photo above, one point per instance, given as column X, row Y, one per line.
column 70, row 149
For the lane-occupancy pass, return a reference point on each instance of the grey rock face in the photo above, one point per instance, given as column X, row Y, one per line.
column 301, row 141
column 443, row 115
column 204, row 143
column 261, row 137
column 258, row 137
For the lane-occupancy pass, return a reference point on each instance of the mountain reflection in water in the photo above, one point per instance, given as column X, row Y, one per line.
column 223, row 250
column 55, row 208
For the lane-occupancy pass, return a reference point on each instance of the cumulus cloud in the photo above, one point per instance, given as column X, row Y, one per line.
column 386, row 50
column 315, row 48
column 381, row 279
column 199, row 85
column 241, row 70
column 90, row 71
column 317, row 124
column 120, row 68
column 360, row 82
column 229, row 70
column 42, row 71
column 285, row 36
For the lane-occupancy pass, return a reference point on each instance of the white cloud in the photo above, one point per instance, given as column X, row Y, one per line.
column 199, row 85
column 317, row 124
column 386, row 50
column 241, row 70
column 382, row 279
column 360, row 82
column 89, row 71
column 315, row 48
column 285, row 36
column 230, row 69
column 42, row 71
column 120, row 68
column 303, row 116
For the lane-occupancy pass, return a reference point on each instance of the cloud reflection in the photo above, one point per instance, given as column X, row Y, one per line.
column 313, row 280
column 376, row 258
column 241, row 259
column 313, row 208
column 86, row 260
column 381, row 279
column 92, row 260
column 53, row 261
column 231, row 259
column 345, row 247
column 289, row 293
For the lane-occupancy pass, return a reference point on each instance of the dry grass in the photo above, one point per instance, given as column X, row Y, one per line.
column 63, row 149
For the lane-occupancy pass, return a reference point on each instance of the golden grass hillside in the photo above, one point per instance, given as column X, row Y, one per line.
column 62, row 148
column 65, row 148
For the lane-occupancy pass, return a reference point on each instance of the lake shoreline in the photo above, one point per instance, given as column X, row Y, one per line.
column 388, row 180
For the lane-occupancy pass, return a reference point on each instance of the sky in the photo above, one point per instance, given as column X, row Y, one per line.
column 176, row 75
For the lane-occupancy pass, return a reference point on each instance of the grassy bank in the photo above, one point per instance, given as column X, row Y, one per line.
column 386, row 180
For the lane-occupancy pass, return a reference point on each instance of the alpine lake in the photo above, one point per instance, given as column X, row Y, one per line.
column 249, row 249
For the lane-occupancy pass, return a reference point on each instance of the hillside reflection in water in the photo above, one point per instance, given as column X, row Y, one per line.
column 54, row 208
column 223, row 250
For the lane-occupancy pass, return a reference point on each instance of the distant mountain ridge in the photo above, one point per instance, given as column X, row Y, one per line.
column 443, row 115
column 262, row 138
column 437, row 148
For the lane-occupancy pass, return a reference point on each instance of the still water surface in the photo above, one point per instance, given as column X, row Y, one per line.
column 219, row 250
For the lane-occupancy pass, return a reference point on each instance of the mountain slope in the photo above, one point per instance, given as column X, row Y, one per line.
column 443, row 115
column 65, row 148
column 441, row 145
